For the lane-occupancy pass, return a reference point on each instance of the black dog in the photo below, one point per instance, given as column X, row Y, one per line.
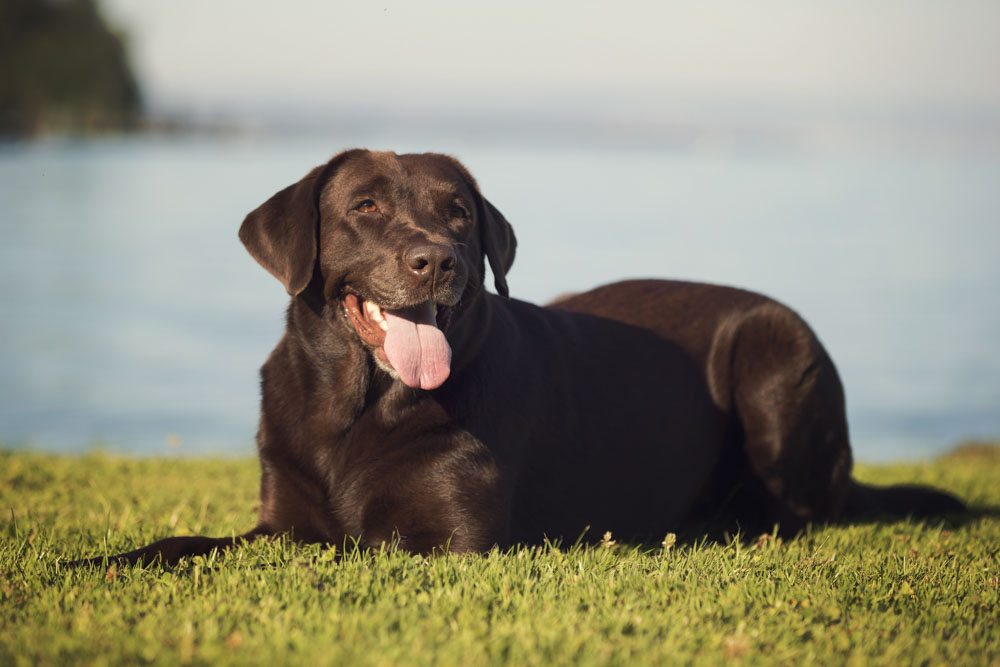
column 407, row 405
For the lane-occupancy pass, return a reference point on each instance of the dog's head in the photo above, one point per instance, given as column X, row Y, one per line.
column 396, row 242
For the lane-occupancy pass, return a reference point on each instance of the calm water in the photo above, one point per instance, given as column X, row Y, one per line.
column 130, row 315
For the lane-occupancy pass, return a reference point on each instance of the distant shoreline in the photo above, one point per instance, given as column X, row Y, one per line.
column 680, row 134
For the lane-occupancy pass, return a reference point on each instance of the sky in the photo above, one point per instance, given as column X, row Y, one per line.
column 623, row 59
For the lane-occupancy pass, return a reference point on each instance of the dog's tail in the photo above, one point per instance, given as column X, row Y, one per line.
column 865, row 501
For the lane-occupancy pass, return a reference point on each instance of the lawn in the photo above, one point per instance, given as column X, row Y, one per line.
column 879, row 593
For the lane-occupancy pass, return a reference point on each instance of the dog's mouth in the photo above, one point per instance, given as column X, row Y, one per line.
column 410, row 340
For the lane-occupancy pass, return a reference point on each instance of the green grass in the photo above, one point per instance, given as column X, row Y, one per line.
column 893, row 593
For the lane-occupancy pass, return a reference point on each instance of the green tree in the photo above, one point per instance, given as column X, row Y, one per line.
column 63, row 70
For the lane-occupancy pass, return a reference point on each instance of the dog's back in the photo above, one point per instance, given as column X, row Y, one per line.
column 778, row 401
column 610, row 425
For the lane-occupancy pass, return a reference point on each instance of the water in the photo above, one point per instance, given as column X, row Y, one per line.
column 131, row 316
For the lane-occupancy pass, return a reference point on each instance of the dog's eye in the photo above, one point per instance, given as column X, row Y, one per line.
column 367, row 206
column 457, row 211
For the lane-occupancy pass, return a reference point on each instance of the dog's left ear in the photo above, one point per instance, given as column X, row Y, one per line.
column 496, row 236
column 282, row 233
column 499, row 242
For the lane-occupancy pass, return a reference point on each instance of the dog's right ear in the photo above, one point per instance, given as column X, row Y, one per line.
column 281, row 234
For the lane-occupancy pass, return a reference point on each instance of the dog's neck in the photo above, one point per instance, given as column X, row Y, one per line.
column 339, row 366
column 319, row 330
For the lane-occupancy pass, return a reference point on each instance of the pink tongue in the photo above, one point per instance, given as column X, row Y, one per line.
column 416, row 348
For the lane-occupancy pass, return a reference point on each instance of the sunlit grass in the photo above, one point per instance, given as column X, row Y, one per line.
column 903, row 592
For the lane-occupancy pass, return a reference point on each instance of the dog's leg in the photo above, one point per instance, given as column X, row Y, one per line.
column 170, row 550
column 454, row 499
column 789, row 403
column 290, row 504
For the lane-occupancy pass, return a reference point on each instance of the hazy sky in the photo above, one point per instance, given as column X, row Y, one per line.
column 923, row 68
column 469, row 55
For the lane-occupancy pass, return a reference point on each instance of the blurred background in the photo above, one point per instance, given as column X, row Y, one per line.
column 841, row 157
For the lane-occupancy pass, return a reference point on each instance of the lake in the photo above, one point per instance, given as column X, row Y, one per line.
column 132, row 318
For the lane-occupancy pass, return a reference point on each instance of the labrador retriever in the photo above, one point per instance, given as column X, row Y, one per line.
column 406, row 405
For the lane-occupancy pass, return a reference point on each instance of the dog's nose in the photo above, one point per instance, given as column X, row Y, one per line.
column 430, row 259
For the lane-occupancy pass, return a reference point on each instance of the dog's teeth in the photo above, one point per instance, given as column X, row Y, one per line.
column 374, row 312
column 383, row 324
